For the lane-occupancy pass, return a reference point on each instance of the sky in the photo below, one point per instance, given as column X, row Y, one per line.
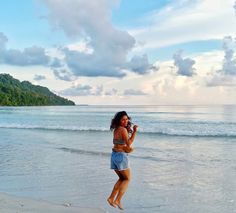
column 128, row 52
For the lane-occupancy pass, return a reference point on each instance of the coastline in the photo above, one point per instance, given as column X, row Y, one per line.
column 61, row 155
column 12, row 204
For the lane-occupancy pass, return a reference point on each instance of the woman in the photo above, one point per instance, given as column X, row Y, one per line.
column 120, row 125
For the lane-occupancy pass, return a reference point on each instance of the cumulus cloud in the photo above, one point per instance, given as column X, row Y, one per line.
column 82, row 90
column 78, row 90
column 88, row 65
column 39, row 77
column 229, row 63
column 226, row 76
column 91, row 20
column 235, row 6
column 63, row 74
column 220, row 80
column 133, row 92
column 184, row 65
column 56, row 63
column 111, row 92
column 140, row 64
column 98, row 91
column 29, row 56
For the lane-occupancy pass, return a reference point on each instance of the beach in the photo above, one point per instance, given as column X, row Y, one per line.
column 11, row 204
column 183, row 160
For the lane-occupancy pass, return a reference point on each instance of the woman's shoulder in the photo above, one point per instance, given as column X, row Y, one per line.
column 121, row 129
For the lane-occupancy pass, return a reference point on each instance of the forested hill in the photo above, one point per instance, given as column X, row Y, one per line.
column 16, row 93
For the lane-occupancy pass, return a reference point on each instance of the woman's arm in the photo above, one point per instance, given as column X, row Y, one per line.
column 128, row 149
column 129, row 140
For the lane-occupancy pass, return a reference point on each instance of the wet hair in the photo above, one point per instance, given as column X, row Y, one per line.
column 115, row 122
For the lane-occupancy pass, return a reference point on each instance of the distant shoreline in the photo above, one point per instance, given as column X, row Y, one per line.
column 127, row 105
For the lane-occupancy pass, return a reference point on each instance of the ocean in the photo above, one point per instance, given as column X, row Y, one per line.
column 184, row 157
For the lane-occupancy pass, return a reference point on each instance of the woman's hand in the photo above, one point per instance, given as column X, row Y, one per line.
column 128, row 149
column 135, row 128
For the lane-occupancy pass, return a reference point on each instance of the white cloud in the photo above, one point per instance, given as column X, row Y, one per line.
column 235, row 6
column 111, row 92
column 63, row 74
column 229, row 63
column 133, row 92
column 82, row 46
column 184, row 65
column 141, row 65
column 91, row 20
column 29, row 56
column 39, row 77
column 193, row 21
column 220, row 80
column 225, row 76
column 82, row 90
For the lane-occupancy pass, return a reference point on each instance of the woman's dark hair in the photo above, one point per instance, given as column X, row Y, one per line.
column 115, row 122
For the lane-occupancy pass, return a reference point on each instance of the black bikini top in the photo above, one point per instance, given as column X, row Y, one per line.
column 118, row 141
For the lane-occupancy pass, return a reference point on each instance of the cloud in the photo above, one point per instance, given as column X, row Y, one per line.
column 77, row 91
column 140, row 64
column 56, row 63
column 82, row 90
column 184, row 66
column 185, row 21
column 89, row 65
column 226, row 76
column 3, row 41
column 111, row 92
column 39, row 77
column 63, row 74
column 229, row 63
column 133, row 92
column 221, row 80
column 235, row 6
column 91, row 20
column 29, row 56
column 98, row 90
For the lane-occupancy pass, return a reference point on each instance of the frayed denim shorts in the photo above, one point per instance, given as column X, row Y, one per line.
column 119, row 161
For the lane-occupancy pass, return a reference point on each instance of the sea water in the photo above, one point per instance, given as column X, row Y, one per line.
column 184, row 158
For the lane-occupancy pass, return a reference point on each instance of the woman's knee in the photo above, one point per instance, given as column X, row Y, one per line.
column 126, row 176
column 121, row 179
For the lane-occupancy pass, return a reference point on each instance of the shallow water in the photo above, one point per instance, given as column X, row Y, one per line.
column 61, row 154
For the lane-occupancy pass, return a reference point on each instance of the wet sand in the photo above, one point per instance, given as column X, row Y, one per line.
column 12, row 204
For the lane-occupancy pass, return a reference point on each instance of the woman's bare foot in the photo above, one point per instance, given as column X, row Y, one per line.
column 119, row 205
column 110, row 201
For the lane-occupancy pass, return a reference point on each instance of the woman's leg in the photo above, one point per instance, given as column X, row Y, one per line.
column 122, row 187
column 115, row 189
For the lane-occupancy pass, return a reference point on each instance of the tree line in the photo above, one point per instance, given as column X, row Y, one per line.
column 16, row 93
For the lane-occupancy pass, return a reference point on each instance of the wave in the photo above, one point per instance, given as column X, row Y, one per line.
column 193, row 134
column 61, row 128
column 197, row 131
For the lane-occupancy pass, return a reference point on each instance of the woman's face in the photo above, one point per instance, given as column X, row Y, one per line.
column 124, row 121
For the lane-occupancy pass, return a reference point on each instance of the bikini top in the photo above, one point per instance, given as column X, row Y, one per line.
column 118, row 141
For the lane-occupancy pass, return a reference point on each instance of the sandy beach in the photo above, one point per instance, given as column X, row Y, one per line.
column 183, row 160
column 12, row 204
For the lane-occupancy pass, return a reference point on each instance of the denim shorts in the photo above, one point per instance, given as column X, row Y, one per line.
column 119, row 161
